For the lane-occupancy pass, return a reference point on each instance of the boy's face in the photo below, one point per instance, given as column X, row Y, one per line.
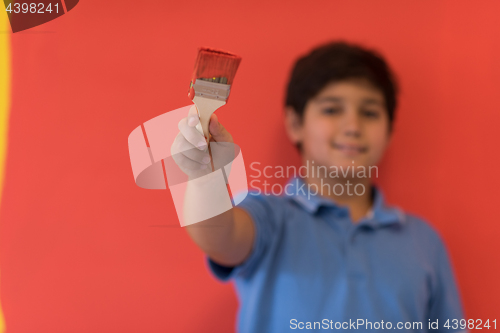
column 346, row 124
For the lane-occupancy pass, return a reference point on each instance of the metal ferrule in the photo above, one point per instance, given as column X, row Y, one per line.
column 212, row 90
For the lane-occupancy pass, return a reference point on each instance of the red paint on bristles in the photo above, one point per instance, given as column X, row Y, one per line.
column 212, row 63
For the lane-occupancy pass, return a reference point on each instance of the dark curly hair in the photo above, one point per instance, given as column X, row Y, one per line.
column 339, row 61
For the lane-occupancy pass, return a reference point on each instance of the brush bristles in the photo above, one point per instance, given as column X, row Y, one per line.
column 215, row 66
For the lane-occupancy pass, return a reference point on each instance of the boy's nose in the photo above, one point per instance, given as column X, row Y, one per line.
column 352, row 126
column 353, row 133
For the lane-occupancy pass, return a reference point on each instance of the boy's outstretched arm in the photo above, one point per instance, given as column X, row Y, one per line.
column 228, row 237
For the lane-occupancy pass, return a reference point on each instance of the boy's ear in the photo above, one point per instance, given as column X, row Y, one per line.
column 293, row 125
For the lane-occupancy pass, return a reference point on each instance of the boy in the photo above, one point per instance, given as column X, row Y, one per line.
column 337, row 258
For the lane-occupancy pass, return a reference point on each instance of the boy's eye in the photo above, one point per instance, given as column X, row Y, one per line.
column 331, row 110
column 370, row 114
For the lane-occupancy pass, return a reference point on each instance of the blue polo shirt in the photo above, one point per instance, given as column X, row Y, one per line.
column 312, row 268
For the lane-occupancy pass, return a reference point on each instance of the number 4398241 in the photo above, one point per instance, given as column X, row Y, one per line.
column 32, row 8
column 470, row 324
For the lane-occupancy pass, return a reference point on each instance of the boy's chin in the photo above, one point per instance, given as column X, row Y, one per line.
column 342, row 164
column 349, row 163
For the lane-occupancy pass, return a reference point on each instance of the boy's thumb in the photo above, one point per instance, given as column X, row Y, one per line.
column 219, row 133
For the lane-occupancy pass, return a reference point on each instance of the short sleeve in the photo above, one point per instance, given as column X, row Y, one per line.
column 259, row 208
column 445, row 303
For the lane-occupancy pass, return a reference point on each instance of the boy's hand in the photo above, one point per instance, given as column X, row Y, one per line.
column 189, row 149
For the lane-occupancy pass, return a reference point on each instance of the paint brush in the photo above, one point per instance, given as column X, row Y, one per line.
column 213, row 75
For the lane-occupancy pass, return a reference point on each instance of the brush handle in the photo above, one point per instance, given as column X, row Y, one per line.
column 205, row 107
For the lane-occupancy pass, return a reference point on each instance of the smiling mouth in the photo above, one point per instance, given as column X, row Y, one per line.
column 350, row 149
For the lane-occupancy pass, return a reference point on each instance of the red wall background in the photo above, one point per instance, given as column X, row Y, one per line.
column 83, row 249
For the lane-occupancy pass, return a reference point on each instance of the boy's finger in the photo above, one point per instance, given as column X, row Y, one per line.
column 219, row 133
column 192, row 118
column 192, row 153
column 192, row 135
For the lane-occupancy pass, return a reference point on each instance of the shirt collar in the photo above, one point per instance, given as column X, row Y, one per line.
column 379, row 215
